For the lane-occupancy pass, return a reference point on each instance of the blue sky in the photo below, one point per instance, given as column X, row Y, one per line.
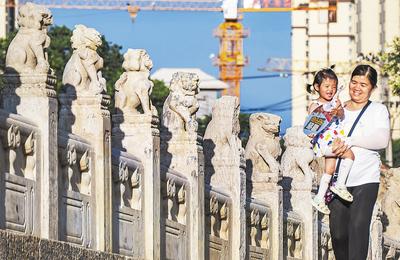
column 184, row 39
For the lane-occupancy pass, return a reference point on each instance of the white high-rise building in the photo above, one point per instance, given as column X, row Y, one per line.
column 361, row 26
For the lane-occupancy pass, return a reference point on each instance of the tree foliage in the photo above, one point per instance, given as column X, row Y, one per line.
column 158, row 95
column 391, row 65
column 60, row 51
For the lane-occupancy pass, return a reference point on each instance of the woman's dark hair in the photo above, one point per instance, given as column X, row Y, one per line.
column 326, row 73
column 367, row 71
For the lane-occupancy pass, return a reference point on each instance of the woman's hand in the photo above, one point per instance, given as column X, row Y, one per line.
column 339, row 147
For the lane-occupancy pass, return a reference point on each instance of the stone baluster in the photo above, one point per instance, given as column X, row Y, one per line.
column 263, row 172
column 137, row 133
column 224, row 160
column 183, row 153
column 84, row 113
column 29, row 91
column 297, row 185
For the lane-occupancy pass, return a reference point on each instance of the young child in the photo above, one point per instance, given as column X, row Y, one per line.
column 325, row 83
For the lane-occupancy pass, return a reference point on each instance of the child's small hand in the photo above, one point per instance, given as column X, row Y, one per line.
column 311, row 136
column 338, row 110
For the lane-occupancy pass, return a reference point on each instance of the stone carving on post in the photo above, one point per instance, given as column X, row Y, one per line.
column 82, row 74
column 27, row 52
column 84, row 113
column 297, row 185
column 224, row 160
column 263, row 147
column 181, row 105
column 28, row 91
column 134, row 87
column 182, row 153
column 138, row 134
column 263, row 172
column 295, row 163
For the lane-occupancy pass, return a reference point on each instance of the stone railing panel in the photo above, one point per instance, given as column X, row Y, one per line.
column 218, row 225
column 175, row 192
column 259, row 223
column 128, row 222
column 293, row 244
column 77, row 215
column 19, row 177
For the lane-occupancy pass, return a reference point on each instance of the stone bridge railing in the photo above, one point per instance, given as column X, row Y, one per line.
column 78, row 177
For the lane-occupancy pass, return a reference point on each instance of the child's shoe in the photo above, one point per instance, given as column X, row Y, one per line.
column 342, row 192
column 320, row 206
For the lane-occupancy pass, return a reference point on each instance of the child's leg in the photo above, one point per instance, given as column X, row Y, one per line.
column 330, row 164
column 345, row 167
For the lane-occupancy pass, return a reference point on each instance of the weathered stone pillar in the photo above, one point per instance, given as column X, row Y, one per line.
column 84, row 112
column 137, row 133
column 182, row 152
column 225, row 168
column 29, row 91
column 263, row 174
column 301, row 223
column 34, row 97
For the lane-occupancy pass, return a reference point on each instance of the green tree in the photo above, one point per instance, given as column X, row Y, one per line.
column 60, row 51
column 158, row 95
column 4, row 43
column 390, row 65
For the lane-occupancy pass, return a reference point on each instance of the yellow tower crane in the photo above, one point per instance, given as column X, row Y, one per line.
column 231, row 58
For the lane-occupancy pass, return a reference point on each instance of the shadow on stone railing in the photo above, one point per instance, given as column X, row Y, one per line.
column 76, row 190
column 127, row 201
column 175, row 193
column 259, row 226
column 20, row 178
column 218, row 224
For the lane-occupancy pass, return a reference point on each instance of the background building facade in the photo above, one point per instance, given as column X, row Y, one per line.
column 323, row 38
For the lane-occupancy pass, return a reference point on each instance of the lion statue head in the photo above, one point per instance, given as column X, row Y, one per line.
column 34, row 16
column 84, row 37
column 137, row 60
column 267, row 123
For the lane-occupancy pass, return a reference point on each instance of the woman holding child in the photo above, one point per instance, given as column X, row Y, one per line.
column 350, row 222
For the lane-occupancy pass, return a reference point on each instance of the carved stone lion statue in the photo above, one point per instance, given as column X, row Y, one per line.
column 296, row 159
column 263, row 148
column 133, row 88
column 27, row 51
column 221, row 136
column 389, row 198
column 83, row 70
column 181, row 105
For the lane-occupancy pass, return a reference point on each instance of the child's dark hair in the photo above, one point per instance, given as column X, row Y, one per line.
column 367, row 71
column 326, row 73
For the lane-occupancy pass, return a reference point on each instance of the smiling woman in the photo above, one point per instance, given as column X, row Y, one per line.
column 371, row 133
